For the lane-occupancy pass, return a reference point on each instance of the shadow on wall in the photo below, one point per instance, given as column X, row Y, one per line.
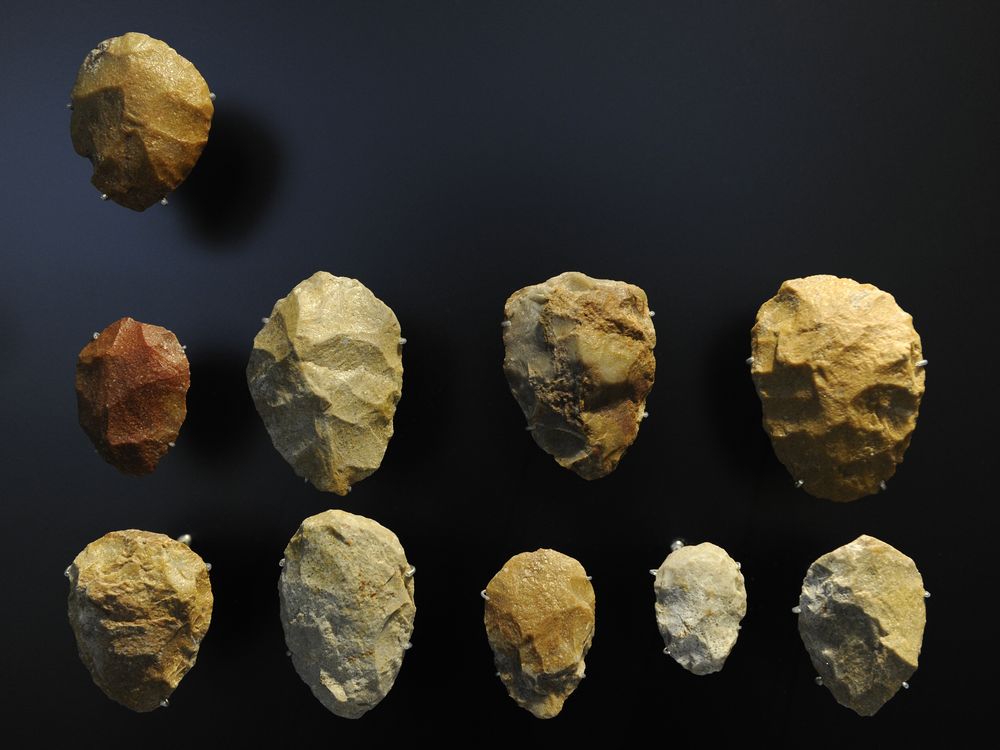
column 221, row 415
column 10, row 361
column 233, row 184
column 426, row 415
column 730, row 399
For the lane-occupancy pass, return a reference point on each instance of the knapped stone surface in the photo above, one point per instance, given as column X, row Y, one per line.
column 862, row 618
column 540, row 623
column 326, row 373
column 579, row 361
column 700, row 600
column 141, row 114
column 131, row 393
column 835, row 365
column 347, row 608
column 139, row 604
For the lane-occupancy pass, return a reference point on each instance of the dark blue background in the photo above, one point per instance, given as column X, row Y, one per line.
column 447, row 154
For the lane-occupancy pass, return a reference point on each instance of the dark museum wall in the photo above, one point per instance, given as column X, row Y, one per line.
column 447, row 154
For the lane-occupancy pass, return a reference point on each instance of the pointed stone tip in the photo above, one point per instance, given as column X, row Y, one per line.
column 700, row 601
column 168, row 101
column 548, row 597
column 127, row 605
column 600, row 332
column 850, row 399
column 131, row 426
column 865, row 638
column 331, row 435
column 349, row 643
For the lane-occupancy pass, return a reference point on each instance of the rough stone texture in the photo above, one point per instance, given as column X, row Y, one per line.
column 326, row 373
column 862, row 621
column 131, row 390
column 700, row 601
column 141, row 114
column 579, row 361
column 139, row 604
column 540, row 623
column 347, row 607
column 835, row 365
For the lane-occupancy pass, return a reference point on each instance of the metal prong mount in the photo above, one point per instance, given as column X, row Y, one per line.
column 749, row 360
column 739, row 566
column 796, row 610
column 652, row 571
column 171, row 444
column 407, row 646
column 104, row 196
column 505, row 324
column 483, row 594
column 798, row 484
column 281, row 563
column 348, row 490
column 921, row 363
column 644, row 415
column 69, row 106
column 165, row 703
column 530, row 428
column 652, row 313
column 410, row 571
column 211, row 95
column 265, row 321
column 402, row 341
column 66, row 572
column 666, row 651
column 927, row 595
column 882, row 485
column 164, row 201
column 208, row 566
column 590, row 578
column 818, row 680
column 676, row 545
column 905, row 685
column 95, row 335
column 185, row 539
